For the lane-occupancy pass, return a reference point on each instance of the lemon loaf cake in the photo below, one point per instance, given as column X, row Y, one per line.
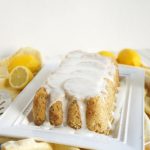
column 80, row 94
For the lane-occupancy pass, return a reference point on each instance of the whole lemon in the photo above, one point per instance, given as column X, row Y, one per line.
column 29, row 61
column 129, row 57
column 107, row 54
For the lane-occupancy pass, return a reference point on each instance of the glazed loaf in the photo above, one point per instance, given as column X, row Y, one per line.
column 79, row 94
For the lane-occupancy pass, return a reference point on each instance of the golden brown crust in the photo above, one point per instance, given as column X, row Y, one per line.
column 74, row 117
column 56, row 113
column 39, row 106
column 96, row 116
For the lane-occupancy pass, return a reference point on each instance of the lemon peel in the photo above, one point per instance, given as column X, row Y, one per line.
column 27, row 57
column 107, row 54
column 129, row 57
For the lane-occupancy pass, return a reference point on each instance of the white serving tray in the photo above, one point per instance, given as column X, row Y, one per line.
column 128, row 134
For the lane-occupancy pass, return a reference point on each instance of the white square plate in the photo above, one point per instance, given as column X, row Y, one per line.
column 128, row 132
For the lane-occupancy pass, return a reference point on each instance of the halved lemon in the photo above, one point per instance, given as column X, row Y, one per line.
column 19, row 77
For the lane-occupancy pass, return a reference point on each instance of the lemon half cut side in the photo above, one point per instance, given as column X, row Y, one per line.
column 19, row 77
column 129, row 57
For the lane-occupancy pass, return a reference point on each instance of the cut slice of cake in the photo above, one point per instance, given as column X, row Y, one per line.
column 81, row 93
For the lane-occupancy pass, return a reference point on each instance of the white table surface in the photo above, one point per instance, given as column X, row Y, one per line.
column 57, row 26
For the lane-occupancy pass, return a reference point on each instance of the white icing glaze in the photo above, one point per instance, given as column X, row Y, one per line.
column 82, row 88
column 65, row 108
column 48, row 90
column 82, row 107
column 81, row 75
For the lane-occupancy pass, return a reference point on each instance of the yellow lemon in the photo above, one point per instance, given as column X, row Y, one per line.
column 3, row 72
column 19, row 77
column 107, row 54
column 26, row 60
column 129, row 57
column 26, row 56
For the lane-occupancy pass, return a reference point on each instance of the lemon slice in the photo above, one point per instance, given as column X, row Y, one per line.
column 19, row 77
column 147, row 105
column 107, row 54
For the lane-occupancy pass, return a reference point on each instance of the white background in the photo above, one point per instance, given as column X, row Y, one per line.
column 57, row 26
